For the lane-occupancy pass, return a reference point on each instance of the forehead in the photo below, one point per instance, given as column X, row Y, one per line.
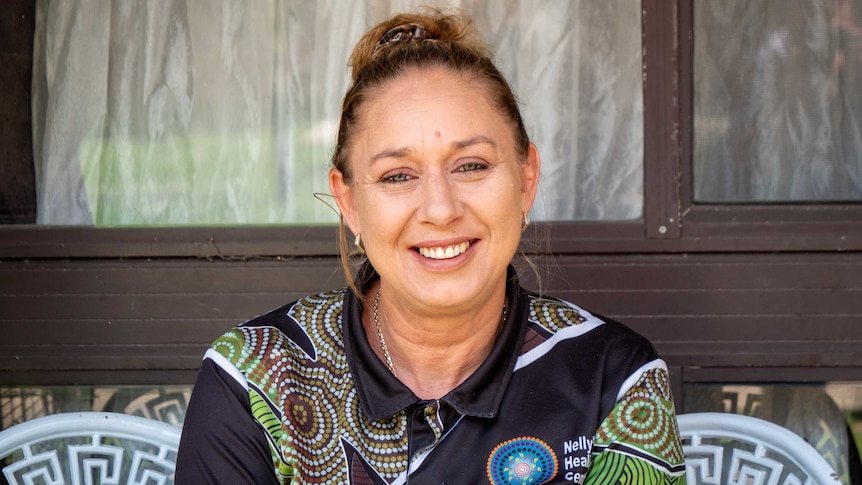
column 434, row 98
column 429, row 77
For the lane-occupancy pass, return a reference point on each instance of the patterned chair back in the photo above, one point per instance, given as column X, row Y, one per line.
column 732, row 449
column 89, row 448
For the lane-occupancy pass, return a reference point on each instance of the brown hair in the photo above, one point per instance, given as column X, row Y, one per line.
column 423, row 39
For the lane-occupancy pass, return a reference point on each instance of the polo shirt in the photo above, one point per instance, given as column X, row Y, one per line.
column 298, row 396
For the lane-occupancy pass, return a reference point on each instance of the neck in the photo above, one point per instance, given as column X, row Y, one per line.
column 429, row 353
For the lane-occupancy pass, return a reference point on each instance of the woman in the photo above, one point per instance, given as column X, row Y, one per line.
column 435, row 366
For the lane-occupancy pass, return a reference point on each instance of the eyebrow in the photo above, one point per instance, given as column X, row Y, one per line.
column 403, row 152
column 474, row 141
column 394, row 153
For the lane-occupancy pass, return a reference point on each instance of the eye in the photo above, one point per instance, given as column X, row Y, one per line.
column 472, row 166
column 396, row 178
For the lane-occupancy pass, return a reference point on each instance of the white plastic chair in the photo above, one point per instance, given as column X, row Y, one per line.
column 89, row 448
column 732, row 449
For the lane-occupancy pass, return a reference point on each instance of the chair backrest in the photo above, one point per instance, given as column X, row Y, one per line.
column 731, row 449
column 89, row 448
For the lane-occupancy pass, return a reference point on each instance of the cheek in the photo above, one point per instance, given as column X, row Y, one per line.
column 503, row 212
column 380, row 217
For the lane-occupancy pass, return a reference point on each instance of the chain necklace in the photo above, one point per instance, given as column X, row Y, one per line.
column 380, row 335
column 386, row 355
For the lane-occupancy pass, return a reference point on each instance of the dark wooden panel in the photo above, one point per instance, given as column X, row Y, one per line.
column 65, row 318
column 661, row 119
column 102, row 357
column 702, row 271
column 142, row 277
column 764, row 236
column 230, row 243
column 113, row 377
column 749, row 328
column 701, row 310
column 750, row 311
column 837, row 353
column 772, row 374
column 624, row 304
column 115, row 332
column 789, row 302
column 235, row 306
column 658, row 329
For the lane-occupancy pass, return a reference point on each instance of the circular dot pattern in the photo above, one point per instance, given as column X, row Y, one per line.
column 644, row 418
column 553, row 315
column 522, row 461
column 314, row 396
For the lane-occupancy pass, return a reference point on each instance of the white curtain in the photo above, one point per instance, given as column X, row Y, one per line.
column 778, row 104
column 184, row 112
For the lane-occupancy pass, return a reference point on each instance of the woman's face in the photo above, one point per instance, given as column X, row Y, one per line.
column 438, row 191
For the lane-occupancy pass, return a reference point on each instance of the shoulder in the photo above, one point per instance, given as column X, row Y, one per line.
column 298, row 327
column 557, row 325
column 554, row 318
column 311, row 310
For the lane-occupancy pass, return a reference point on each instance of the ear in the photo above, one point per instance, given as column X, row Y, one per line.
column 343, row 195
column 530, row 178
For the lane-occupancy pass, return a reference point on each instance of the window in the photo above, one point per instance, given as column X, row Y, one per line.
column 201, row 113
column 733, row 192
column 777, row 109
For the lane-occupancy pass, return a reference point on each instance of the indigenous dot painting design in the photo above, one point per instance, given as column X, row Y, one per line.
column 644, row 422
column 522, row 461
column 553, row 315
column 313, row 396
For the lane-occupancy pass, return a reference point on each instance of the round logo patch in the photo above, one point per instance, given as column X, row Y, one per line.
column 522, row 461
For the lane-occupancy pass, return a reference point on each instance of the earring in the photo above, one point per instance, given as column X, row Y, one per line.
column 525, row 221
column 357, row 241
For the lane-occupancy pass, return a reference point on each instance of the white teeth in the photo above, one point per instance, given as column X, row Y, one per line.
column 444, row 252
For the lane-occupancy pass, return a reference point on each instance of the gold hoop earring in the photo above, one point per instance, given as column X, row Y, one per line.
column 525, row 221
column 357, row 241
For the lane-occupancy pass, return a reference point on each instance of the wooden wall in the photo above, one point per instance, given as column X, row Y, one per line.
column 718, row 317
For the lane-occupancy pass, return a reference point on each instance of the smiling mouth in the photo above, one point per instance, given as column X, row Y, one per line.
column 444, row 252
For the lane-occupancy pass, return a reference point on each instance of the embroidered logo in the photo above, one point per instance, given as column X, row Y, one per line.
column 522, row 461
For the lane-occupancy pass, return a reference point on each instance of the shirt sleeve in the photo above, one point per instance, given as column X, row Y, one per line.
column 221, row 443
column 638, row 441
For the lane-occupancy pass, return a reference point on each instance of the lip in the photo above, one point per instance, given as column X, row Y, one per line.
column 440, row 251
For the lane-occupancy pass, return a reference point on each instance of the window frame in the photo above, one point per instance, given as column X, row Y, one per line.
column 746, row 227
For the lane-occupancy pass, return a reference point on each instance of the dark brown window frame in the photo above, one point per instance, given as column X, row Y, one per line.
column 671, row 211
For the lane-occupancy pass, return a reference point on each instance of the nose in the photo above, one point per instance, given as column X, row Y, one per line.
column 440, row 202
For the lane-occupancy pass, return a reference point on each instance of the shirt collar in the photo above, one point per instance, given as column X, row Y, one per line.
column 382, row 395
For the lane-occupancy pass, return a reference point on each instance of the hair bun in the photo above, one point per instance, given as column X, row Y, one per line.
column 403, row 29
column 401, row 34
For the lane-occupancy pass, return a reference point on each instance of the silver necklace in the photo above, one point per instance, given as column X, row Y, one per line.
column 386, row 355
column 380, row 335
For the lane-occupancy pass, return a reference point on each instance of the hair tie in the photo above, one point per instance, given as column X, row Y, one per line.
column 401, row 34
